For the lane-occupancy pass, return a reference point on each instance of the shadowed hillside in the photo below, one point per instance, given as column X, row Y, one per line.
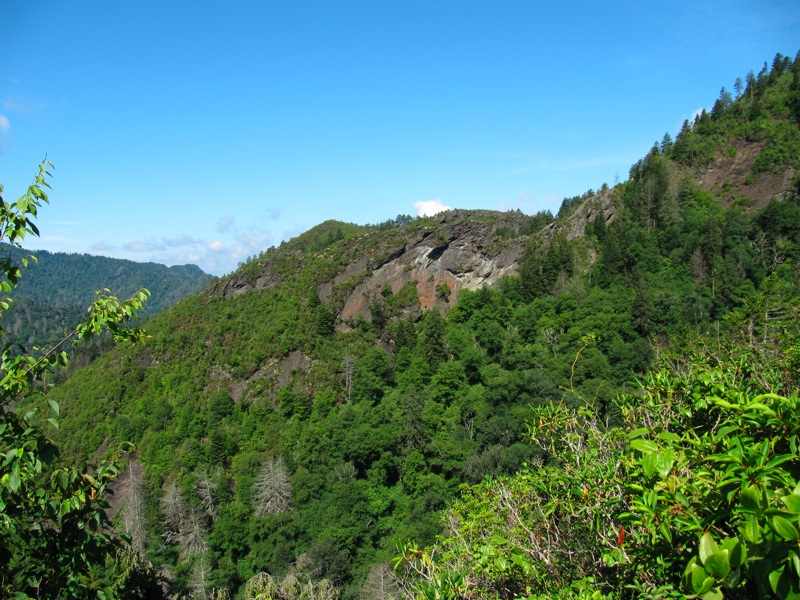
column 52, row 295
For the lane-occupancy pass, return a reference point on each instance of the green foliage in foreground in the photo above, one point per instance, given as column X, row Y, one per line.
column 55, row 536
column 696, row 495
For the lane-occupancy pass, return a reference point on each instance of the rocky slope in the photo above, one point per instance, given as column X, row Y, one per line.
column 730, row 175
column 439, row 256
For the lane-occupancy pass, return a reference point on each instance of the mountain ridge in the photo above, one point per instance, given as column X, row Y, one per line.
column 53, row 293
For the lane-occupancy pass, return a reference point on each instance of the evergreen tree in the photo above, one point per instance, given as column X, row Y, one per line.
column 431, row 338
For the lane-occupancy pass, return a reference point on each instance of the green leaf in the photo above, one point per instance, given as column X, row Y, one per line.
column 637, row 433
column 13, row 479
column 707, row 547
column 707, row 585
column 669, row 437
column 664, row 464
column 792, row 502
column 62, row 480
column 718, row 565
column 725, row 404
column 644, row 445
column 751, row 531
column 695, row 576
column 784, row 585
column 778, row 460
column 785, row 529
column 649, row 464
column 666, row 531
column 520, row 560
column 53, row 406
column 724, row 432
column 774, row 578
column 737, row 552
column 751, row 497
column 10, row 456
column 762, row 408
column 715, row 594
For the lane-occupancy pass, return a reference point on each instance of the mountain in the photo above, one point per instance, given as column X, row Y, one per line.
column 325, row 403
column 53, row 294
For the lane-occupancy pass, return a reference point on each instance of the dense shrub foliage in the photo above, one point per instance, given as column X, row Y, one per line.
column 696, row 492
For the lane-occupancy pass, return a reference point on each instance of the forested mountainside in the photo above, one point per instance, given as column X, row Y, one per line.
column 52, row 296
column 460, row 392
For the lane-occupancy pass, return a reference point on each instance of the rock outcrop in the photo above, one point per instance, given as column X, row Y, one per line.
column 574, row 226
column 463, row 252
column 437, row 257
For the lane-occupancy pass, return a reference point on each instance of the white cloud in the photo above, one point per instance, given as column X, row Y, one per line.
column 143, row 246
column 272, row 214
column 251, row 243
column 4, row 128
column 214, row 255
column 225, row 223
column 100, row 247
column 428, row 208
column 184, row 240
column 22, row 104
column 162, row 244
column 179, row 258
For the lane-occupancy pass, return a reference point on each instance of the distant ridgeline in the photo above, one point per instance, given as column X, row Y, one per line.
column 54, row 293
column 330, row 399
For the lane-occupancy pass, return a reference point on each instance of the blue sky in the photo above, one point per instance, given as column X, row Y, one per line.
column 204, row 132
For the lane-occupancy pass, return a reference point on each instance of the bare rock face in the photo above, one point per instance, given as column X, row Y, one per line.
column 463, row 253
column 575, row 225
column 730, row 176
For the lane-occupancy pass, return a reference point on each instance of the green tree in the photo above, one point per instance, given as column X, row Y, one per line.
column 54, row 533
column 431, row 338
column 542, row 264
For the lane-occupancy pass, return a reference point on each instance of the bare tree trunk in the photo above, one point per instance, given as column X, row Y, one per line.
column 192, row 540
column 133, row 507
column 272, row 488
column 348, row 375
column 173, row 507
column 381, row 584
column 207, row 494
column 198, row 583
